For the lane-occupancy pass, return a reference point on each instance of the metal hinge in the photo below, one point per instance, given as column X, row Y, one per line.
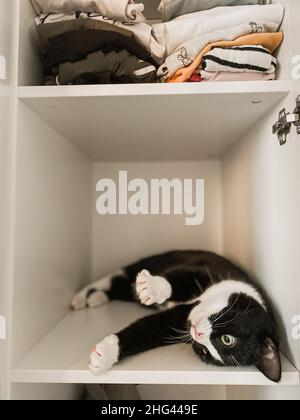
column 285, row 121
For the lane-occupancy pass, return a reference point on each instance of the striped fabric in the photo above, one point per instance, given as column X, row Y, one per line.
column 248, row 58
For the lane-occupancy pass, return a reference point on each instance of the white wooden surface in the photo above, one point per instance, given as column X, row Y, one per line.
column 62, row 356
column 8, row 39
column 154, row 122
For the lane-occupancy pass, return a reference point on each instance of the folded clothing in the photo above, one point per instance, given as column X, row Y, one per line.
column 171, row 9
column 176, row 33
column 104, row 68
column 50, row 30
column 123, row 10
column 75, row 45
column 226, row 76
column 246, row 58
column 270, row 41
column 142, row 31
column 185, row 38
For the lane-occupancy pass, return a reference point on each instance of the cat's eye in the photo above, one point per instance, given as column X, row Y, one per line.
column 228, row 340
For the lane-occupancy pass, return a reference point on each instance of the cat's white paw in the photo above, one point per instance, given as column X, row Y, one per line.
column 152, row 289
column 96, row 299
column 84, row 299
column 79, row 301
column 104, row 355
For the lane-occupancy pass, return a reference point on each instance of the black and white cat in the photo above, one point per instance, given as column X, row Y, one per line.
column 204, row 297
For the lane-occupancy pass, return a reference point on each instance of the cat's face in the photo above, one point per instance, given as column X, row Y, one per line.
column 235, row 331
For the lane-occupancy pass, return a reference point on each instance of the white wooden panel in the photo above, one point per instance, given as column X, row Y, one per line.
column 52, row 229
column 261, row 220
column 182, row 393
column 266, row 177
column 7, row 160
column 154, row 122
column 259, row 226
column 62, row 356
column 30, row 68
column 48, row 392
column 128, row 238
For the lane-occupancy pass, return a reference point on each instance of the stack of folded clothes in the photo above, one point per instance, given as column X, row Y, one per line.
column 219, row 40
column 96, row 42
column 109, row 41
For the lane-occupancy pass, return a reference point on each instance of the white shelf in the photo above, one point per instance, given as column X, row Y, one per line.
column 155, row 121
column 61, row 357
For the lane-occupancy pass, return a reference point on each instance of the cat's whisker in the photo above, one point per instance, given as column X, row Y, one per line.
column 229, row 309
column 249, row 304
column 223, row 324
column 179, row 331
column 210, row 275
column 198, row 285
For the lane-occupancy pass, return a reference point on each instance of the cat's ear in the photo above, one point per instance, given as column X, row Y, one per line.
column 270, row 363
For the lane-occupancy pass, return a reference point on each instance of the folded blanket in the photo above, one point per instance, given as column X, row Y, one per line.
column 123, row 10
column 75, row 45
column 247, row 58
column 171, row 9
column 142, row 31
column 102, row 68
column 176, row 33
column 226, row 76
column 271, row 41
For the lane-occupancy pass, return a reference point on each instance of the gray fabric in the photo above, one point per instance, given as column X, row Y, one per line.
column 49, row 30
column 173, row 8
column 102, row 68
column 142, row 31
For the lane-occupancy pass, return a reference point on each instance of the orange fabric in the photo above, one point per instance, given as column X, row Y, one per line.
column 271, row 41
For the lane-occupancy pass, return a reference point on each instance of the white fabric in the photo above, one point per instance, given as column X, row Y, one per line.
column 225, row 76
column 186, row 54
column 141, row 30
column 245, row 60
column 124, row 10
column 175, row 33
column 173, row 8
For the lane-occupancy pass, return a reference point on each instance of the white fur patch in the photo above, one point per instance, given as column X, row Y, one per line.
column 97, row 299
column 222, row 291
column 152, row 289
column 104, row 355
column 213, row 301
column 81, row 300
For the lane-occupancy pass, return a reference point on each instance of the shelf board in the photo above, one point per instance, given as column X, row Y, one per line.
column 154, row 121
column 61, row 356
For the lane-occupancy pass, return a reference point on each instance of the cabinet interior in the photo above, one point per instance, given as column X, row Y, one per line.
column 70, row 137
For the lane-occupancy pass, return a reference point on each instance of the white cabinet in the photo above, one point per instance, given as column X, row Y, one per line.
column 7, row 158
column 68, row 137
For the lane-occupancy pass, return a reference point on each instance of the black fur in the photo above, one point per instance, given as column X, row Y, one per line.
column 191, row 273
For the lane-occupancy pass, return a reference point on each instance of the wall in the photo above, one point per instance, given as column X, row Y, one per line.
column 52, row 229
column 120, row 240
column 261, row 221
column 7, row 8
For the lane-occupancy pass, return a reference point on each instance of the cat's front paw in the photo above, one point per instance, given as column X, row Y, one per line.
column 152, row 289
column 104, row 355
